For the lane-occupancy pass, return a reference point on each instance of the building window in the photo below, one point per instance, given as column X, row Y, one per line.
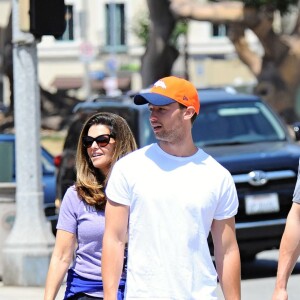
column 219, row 30
column 115, row 25
column 68, row 35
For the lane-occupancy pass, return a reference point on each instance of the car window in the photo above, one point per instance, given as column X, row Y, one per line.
column 236, row 123
column 146, row 133
column 7, row 163
column 47, row 163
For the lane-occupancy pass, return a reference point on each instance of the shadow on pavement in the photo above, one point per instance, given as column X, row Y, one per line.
column 261, row 268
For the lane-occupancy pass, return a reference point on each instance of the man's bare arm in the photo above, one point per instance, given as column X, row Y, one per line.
column 227, row 257
column 288, row 253
column 114, row 240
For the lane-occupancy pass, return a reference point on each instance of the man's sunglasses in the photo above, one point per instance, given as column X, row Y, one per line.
column 101, row 140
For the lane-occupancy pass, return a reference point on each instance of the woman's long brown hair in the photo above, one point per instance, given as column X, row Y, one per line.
column 90, row 181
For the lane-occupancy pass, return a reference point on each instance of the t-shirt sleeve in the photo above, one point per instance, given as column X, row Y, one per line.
column 296, row 196
column 117, row 187
column 67, row 219
column 228, row 202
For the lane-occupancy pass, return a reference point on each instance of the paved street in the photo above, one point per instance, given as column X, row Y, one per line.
column 258, row 279
column 25, row 293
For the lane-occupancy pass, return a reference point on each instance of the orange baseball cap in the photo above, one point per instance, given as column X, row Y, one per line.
column 169, row 90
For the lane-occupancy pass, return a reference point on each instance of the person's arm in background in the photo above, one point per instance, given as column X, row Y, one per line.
column 227, row 257
column 288, row 253
column 61, row 259
column 114, row 240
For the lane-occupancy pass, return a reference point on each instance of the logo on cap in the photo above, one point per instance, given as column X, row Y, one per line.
column 160, row 83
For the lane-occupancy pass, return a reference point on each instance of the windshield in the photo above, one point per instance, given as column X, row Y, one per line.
column 227, row 124
column 146, row 133
column 236, row 123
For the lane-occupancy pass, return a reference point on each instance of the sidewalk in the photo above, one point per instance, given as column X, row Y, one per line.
column 34, row 293
column 25, row 293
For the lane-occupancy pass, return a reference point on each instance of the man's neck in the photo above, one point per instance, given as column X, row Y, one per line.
column 183, row 149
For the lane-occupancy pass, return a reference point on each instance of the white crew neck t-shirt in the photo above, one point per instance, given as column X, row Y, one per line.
column 173, row 201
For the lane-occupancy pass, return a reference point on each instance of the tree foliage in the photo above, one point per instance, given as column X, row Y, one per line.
column 141, row 29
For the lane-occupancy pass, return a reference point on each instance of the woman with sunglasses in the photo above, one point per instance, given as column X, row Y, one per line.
column 104, row 138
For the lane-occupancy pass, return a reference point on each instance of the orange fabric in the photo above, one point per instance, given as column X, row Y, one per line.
column 178, row 89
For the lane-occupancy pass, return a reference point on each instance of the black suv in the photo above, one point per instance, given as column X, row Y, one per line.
column 241, row 132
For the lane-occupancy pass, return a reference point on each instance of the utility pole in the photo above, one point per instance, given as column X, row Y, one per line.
column 111, row 82
column 86, row 49
column 28, row 248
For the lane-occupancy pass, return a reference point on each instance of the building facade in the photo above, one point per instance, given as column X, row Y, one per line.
column 99, row 42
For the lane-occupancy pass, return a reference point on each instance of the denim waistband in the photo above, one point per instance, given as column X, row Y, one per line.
column 78, row 284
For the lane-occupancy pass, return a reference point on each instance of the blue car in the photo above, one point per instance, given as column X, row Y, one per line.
column 8, row 174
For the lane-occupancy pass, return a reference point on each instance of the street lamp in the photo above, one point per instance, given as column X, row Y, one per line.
column 28, row 248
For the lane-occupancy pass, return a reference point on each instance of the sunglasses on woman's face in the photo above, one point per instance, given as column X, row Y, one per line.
column 101, row 140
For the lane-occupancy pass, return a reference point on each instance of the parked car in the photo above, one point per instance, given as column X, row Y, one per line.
column 3, row 108
column 8, row 174
column 241, row 132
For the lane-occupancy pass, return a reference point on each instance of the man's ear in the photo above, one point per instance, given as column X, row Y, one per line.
column 189, row 112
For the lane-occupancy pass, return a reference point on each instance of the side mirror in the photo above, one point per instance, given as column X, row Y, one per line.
column 296, row 128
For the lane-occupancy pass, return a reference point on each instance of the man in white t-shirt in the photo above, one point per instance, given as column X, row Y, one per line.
column 166, row 198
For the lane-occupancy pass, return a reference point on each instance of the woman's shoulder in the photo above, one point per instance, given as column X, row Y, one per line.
column 71, row 196
column 71, row 191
